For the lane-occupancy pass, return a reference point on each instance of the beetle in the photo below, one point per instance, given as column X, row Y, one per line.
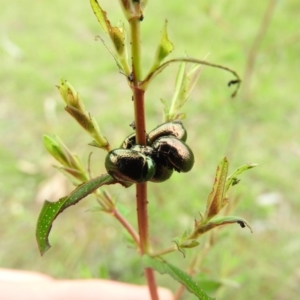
column 163, row 169
column 174, row 128
column 165, row 152
column 129, row 165
column 129, row 142
column 178, row 153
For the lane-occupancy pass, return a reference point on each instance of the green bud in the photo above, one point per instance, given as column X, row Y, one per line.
column 81, row 117
column 70, row 162
column 133, row 8
column 56, row 150
column 90, row 125
column 76, row 109
column 69, row 95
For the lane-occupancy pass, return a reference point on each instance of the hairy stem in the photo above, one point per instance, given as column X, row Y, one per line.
column 136, row 50
column 140, row 124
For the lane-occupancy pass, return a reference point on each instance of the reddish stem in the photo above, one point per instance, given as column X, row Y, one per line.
column 139, row 115
column 141, row 188
column 140, row 124
column 127, row 226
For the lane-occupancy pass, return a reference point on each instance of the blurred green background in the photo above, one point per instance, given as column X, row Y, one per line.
column 42, row 41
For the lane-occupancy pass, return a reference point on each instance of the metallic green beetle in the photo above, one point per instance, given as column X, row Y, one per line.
column 165, row 152
column 129, row 165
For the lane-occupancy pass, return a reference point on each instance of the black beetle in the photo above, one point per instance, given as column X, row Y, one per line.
column 176, row 152
column 165, row 152
column 174, row 128
column 129, row 142
column 163, row 169
column 129, row 165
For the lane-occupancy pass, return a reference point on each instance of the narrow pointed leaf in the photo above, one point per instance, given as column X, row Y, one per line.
column 117, row 34
column 121, row 61
column 62, row 154
column 216, row 222
column 51, row 210
column 80, row 117
column 164, row 267
column 192, row 77
column 189, row 244
column 232, row 179
column 100, row 15
column 71, row 173
column 165, row 109
column 230, row 220
column 55, row 149
column 181, row 74
column 164, row 48
column 154, row 72
column 216, row 201
column 88, row 123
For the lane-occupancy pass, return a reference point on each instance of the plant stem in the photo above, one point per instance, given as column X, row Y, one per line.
column 140, row 124
column 136, row 50
column 126, row 225
column 164, row 251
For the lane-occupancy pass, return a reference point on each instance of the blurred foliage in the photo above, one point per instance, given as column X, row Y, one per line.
column 57, row 39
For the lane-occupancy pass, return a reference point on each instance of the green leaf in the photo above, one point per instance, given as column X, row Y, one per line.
column 209, row 284
column 51, row 210
column 189, row 244
column 185, row 82
column 117, row 35
column 88, row 122
column 165, row 109
column 154, row 72
column 232, row 179
column 100, row 15
column 54, row 148
column 230, row 220
column 192, row 77
column 164, row 48
column 164, row 267
column 216, row 199
column 71, row 163
column 81, row 118
column 180, row 78
column 216, row 222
